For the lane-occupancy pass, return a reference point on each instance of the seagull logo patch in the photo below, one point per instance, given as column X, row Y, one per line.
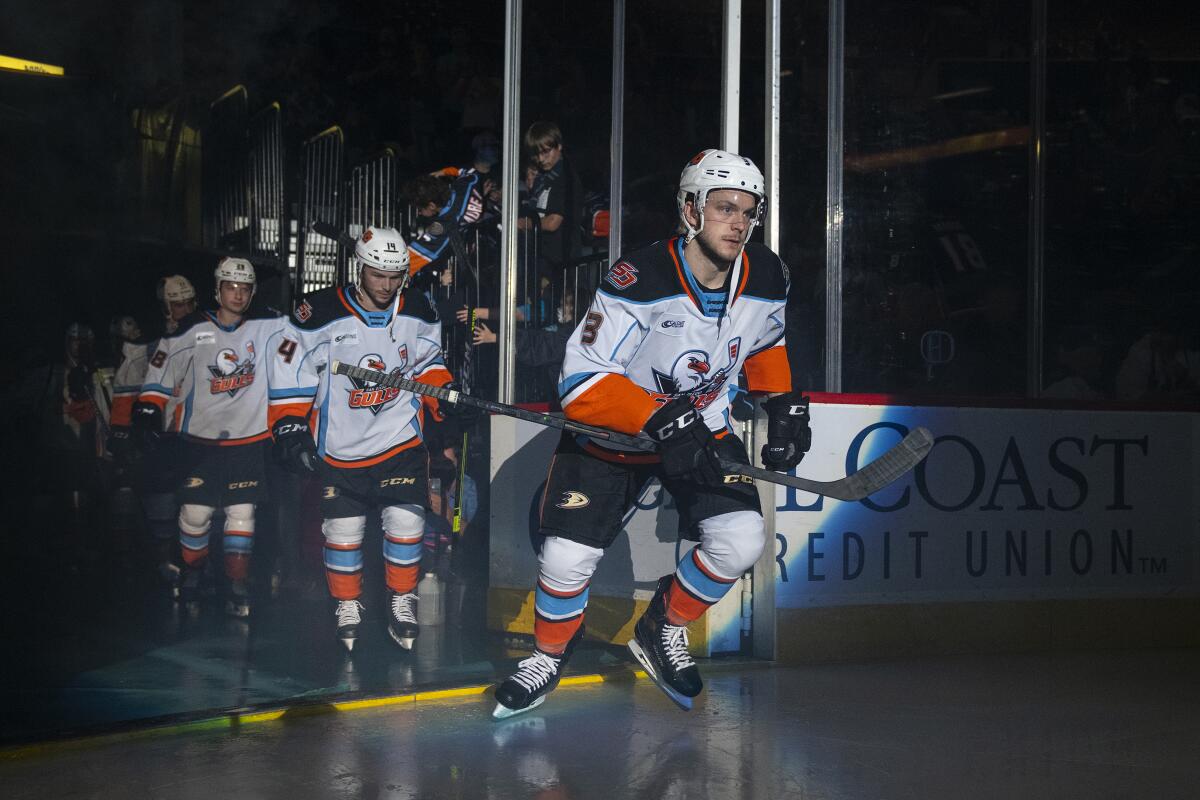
column 573, row 500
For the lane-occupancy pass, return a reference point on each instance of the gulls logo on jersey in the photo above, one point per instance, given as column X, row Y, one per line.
column 366, row 394
column 230, row 373
column 693, row 376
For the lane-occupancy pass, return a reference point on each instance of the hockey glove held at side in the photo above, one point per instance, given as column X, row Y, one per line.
column 685, row 443
column 460, row 413
column 120, row 444
column 788, row 433
column 146, row 425
column 294, row 448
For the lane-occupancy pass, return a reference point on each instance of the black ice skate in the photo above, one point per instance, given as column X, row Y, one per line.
column 237, row 600
column 402, row 619
column 349, row 617
column 187, row 586
column 535, row 678
column 662, row 648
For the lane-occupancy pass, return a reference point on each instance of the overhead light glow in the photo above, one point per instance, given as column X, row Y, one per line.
column 24, row 65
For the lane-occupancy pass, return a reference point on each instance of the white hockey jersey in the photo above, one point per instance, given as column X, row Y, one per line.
column 652, row 332
column 127, row 384
column 218, row 376
column 356, row 424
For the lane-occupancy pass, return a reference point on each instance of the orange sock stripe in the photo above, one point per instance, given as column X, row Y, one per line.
column 403, row 580
column 553, row 635
column 408, row 539
column 556, row 593
column 684, row 606
column 346, row 547
column 708, row 572
column 194, row 558
column 343, row 586
column 237, row 566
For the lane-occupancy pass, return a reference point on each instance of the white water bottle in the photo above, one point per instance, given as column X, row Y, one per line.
column 429, row 601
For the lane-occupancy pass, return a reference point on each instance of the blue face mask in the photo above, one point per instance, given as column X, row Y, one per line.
column 488, row 154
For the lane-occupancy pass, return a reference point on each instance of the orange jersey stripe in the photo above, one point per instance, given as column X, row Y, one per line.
column 369, row 462
column 122, row 410
column 613, row 402
column 258, row 437
column 278, row 412
column 768, row 371
column 156, row 400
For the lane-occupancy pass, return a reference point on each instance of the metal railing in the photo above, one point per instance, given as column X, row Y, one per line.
column 320, row 261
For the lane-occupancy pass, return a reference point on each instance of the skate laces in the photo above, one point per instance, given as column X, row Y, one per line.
column 349, row 612
column 536, row 671
column 404, row 608
column 675, row 646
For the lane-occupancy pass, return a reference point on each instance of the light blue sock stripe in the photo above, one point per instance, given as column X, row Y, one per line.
column 239, row 544
column 401, row 553
column 698, row 583
column 550, row 606
column 343, row 559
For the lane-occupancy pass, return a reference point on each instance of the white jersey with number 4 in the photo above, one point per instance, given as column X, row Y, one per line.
column 356, row 423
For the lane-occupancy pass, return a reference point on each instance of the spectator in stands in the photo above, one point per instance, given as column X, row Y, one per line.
column 1163, row 365
column 1080, row 360
column 555, row 195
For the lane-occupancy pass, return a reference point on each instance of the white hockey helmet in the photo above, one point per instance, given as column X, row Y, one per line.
column 237, row 270
column 175, row 289
column 713, row 170
column 382, row 248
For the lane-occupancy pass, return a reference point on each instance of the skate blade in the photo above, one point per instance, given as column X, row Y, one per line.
column 504, row 712
column 678, row 699
column 349, row 644
column 404, row 641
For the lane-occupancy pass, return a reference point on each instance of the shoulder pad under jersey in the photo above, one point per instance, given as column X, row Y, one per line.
column 186, row 324
column 768, row 276
column 416, row 304
column 644, row 275
column 318, row 309
column 265, row 312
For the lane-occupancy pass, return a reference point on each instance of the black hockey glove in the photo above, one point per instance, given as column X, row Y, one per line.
column 294, row 448
column 461, row 414
column 146, row 425
column 120, row 444
column 685, row 443
column 788, row 433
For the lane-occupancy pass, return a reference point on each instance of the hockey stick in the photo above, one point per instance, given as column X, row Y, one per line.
column 331, row 231
column 870, row 479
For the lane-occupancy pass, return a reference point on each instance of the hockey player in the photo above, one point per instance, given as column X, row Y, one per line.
column 156, row 473
column 365, row 443
column 212, row 363
column 658, row 352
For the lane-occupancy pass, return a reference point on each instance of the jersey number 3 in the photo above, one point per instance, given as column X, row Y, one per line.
column 590, row 327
